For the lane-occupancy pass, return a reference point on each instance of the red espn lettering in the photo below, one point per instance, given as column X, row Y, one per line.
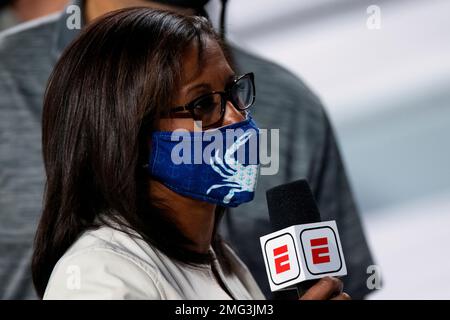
column 318, row 254
column 280, row 258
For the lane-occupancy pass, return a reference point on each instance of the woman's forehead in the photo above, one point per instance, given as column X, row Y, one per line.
column 203, row 66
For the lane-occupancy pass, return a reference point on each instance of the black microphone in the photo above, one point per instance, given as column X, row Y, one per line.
column 291, row 204
column 314, row 250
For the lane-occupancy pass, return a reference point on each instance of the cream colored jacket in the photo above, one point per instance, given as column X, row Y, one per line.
column 109, row 264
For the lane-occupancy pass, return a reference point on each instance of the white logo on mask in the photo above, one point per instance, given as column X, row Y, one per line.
column 236, row 176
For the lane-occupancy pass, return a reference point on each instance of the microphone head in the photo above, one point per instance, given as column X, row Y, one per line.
column 292, row 204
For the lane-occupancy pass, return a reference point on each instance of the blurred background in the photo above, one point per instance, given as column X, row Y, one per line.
column 387, row 92
column 13, row 12
column 382, row 69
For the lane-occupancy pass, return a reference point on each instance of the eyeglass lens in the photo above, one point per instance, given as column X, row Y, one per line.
column 210, row 109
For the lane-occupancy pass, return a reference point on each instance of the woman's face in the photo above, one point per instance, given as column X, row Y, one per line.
column 214, row 76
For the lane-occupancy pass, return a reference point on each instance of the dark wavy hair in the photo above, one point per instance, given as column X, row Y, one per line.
column 105, row 95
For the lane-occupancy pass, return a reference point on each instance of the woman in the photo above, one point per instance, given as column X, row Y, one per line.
column 123, row 218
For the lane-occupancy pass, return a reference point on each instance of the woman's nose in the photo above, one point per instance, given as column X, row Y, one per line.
column 232, row 115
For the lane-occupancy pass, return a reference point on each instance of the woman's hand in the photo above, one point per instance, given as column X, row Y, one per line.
column 328, row 288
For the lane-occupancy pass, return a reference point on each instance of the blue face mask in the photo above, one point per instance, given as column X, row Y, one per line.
column 219, row 166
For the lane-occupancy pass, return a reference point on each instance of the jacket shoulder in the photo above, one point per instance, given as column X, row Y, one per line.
column 97, row 267
column 25, row 42
column 271, row 74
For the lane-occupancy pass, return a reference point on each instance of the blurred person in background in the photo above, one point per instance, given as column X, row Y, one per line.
column 308, row 148
column 13, row 12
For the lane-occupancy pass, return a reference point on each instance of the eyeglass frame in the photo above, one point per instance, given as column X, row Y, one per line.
column 224, row 95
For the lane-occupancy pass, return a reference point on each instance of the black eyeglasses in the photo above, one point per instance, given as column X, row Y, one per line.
column 210, row 108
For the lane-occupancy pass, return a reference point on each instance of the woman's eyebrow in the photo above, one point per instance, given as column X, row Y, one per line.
column 207, row 86
column 197, row 86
